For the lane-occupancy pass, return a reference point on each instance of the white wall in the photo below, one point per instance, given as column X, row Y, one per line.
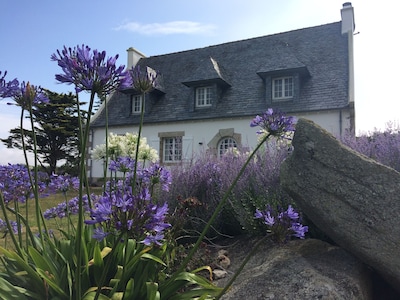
column 199, row 133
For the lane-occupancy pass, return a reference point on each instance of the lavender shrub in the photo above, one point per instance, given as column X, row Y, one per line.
column 384, row 147
column 209, row 177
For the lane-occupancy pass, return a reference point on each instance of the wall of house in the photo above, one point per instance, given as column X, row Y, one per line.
column 199, row 134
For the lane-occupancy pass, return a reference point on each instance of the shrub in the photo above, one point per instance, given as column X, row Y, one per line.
column 384, row 147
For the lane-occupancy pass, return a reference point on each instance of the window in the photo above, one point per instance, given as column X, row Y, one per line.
column 136, row 104
column 225, row 144
column 282, row 88
column 172, row 149
column 203, row 96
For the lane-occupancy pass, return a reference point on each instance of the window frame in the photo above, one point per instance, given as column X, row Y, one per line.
column 136, row 106
column 206, row 93
column 283, row 88
column 177, row 157
column 222, row 141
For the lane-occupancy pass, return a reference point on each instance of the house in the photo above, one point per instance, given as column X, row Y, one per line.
column 208, row 96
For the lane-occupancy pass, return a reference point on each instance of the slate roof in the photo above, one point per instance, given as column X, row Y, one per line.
column 319, row 54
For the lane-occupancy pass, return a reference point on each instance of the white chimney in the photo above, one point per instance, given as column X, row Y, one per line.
column 133, row 57
column 347, row 13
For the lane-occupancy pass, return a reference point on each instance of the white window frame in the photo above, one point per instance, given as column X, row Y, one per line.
column 225, row 144
column 204, row 96
column 283, row 88
column 136, row 102
column 172, row 149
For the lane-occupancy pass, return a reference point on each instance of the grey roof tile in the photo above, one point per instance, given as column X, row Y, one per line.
column 321, row 52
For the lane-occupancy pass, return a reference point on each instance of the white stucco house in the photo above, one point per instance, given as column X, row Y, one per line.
column 208, row 96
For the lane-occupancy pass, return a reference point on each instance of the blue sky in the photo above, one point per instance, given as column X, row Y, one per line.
column 32, row 30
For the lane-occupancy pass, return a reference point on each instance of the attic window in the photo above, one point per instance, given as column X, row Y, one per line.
column 136, row 104
column 282, row 88
column 203, row 96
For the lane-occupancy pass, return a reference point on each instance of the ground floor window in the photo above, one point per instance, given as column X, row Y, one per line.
column 171, row 146
column 226, row 144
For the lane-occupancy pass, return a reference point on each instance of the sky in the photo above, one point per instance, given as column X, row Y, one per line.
column 31, row 31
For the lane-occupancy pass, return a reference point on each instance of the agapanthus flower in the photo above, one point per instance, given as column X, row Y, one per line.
column 8, row 88
column 274, row 123
column 24, row 94
column 143, row 79
column 120, row 210
column 16, row 184
column 4, row 228
column 64, row 209
column 90, row 70
column 282, row 224
column 63, row 183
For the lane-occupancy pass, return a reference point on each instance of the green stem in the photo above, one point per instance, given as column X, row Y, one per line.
column 218, row 209
column 106, row 160
column 107, row 266
column 82, row 161
column 9, row 227
column 138, row 143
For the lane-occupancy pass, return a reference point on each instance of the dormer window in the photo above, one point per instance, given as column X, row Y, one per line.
column 204, row 96
column 136, row 104
column 282, row 88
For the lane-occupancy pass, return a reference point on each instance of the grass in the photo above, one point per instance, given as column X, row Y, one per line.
column 45, row 203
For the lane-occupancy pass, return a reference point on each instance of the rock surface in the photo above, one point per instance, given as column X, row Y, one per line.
column 300, row 269
column 353, row 199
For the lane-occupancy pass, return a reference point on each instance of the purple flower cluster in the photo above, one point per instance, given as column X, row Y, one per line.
column 274, row 122
column 24, row 94
column 123, row 209
column 90, row 70
column 65, row 209
column 63, row 183
column 143, row 80
column 282, row 224
column 8, row 89
column 4, row 228
column 15, row 183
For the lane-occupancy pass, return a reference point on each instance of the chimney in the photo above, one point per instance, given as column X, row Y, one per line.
column 133, row 57
column 347, row 13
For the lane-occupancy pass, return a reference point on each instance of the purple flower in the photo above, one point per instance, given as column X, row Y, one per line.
column 274, row 123
column 99, row 234
column 16, row 184
column 63, row 183
column 24, row 94
column 8, row 89
column 120, row 210
column 153, row 239
column 299, row 230
column 4, row 228
column 70, row 208
column 90, row 70
column 282, row 224
column 143, row 80
column 291, row 213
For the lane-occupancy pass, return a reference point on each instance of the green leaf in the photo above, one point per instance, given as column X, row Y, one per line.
column 152, row 291
column 10, row 292
column 31, row 274
column 152, row 257
column 40, row 261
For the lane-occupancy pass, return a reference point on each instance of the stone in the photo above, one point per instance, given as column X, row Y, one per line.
column 218, row 274
column 351, row 198
column 297, row 270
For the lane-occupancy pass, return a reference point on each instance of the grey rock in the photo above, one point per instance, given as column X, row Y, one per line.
column 353, row 199
column 297, row 270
